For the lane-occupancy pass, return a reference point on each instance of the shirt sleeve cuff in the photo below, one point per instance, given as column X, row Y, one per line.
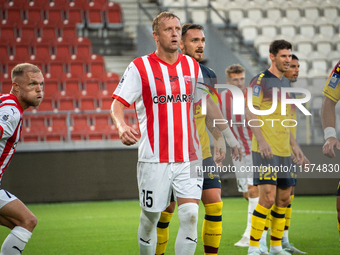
column 121, row 100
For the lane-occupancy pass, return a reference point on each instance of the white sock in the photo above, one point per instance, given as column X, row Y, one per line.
column 264, row 237
column 186, row 240
column 253, row 248
column 15, row 242
column 252, row 202
column 275, row 249
column 285, row 237
column 147, row 232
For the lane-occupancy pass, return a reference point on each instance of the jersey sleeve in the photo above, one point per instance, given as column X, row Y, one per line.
column 258, row 85
column 332, row 86
column 129, row 87
column 9, row 119
column 200, row 90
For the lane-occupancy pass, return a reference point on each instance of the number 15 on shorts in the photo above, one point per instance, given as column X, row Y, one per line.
column 147, row 198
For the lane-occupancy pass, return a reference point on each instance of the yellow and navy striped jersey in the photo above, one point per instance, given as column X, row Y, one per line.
column 209, row 77
column 332, row 87
column 275, row 134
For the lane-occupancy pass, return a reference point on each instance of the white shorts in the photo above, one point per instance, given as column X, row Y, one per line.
column 156, row 180
column 243, row 173
column 6, row 197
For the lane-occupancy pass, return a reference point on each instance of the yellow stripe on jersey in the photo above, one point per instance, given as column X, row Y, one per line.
column 332, row 86
column 202, row 132
column 275, row 134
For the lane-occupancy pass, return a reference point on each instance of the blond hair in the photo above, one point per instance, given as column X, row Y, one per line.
column 156, row 21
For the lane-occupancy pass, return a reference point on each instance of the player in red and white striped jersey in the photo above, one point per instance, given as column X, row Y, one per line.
column 160, row 84
column 27, row 90
column 235, row 75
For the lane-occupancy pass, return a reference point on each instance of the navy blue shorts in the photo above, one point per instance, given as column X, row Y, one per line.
column 338, row 191
column 279, row 171
column 212, row 178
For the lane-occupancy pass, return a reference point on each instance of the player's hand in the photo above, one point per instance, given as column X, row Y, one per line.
column 328, row 147
column 219, row 151
column 298, row 157
column 265, row 150
column 236, row 153
column 127, row 135
column 306, row 163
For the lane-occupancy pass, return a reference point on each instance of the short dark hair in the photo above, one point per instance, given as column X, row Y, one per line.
column 295, row 57
column 189, row 26
column 20, row 69
column 155, row 22
column 277, row 45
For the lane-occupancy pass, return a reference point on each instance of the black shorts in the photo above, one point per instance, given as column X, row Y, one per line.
column 212, row 178
column 338, row 191
column 279, row 171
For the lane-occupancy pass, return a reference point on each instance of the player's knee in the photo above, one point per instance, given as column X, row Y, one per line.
column 339, row 216
column 30, row 222
column 252, row 191
column 214, row 209
column 148, row 220
column 188, row 214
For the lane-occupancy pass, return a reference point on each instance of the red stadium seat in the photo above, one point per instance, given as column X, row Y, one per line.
column 41, row 50
column 82, row 47
column 6, row 87
column 4, row 50
column 113, row 16
column 67, row 30
column 33, row 12
column 34, row 128
column 7, row 32
column 47, row 105
column 75, row 15
column 40, row 2
column 91, row 86
column 95, row 16
column 87, row 103
column 58, row 128
column 80, row 127
column 105, row 102
column 20, row 50
column 46, row 31
column 96, row 65
column 62, row 50
column 26, row 31
column 71, row 86
column 55, row 69
column 76, row 67
column 51, row 88
column 12, row 13
column 53, row 12
column 66, row 104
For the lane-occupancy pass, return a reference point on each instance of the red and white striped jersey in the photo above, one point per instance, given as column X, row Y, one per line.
column 10, row 128
column 238, row 123
column 164, row 100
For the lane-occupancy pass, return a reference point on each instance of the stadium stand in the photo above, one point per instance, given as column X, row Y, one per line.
column 46, row 33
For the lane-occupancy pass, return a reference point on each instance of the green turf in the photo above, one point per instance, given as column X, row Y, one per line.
column 111, row 227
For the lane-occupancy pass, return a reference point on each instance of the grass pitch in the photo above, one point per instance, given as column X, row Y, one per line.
column 111, row 227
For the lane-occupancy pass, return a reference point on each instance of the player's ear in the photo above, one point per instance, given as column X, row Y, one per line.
column 155, row 36
column 181, row 46
column 271, row 56
column 15, row 87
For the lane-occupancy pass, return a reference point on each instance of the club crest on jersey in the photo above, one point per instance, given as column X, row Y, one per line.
column 257, row 90
column 173, row 99
column 187, row 79
column 5, row 117
column 334, row 80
